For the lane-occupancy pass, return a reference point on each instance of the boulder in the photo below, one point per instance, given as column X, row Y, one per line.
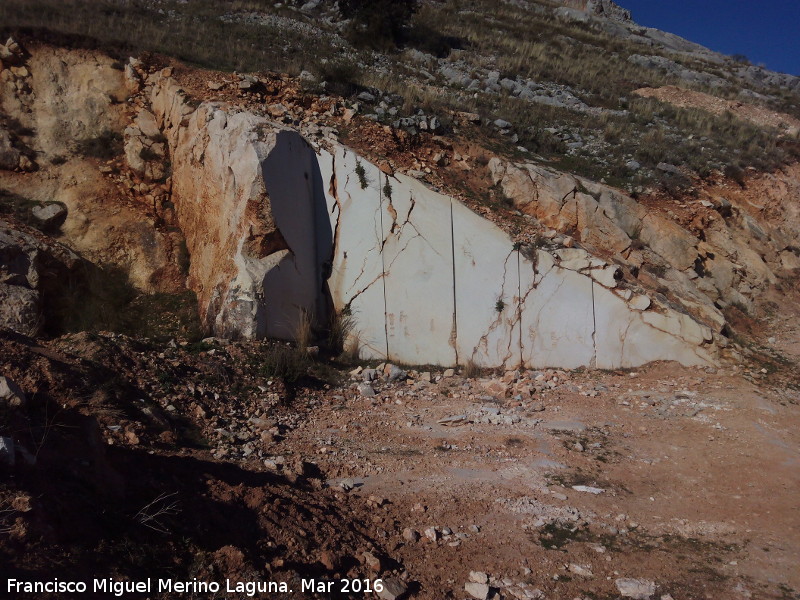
column 637, row 589
column 50, row 216
column 7, row 453
column 11, row 395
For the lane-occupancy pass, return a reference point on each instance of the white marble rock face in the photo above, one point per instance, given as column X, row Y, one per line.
column 429, row 281
column 356, row 280
column 418, row 261
column 487, row 291
column 426, row 280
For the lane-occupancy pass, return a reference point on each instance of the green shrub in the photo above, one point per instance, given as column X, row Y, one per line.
column 285, row 362
column 377, row 24
column 361, row 173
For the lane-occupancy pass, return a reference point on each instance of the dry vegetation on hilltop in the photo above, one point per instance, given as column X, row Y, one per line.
column 603, row 140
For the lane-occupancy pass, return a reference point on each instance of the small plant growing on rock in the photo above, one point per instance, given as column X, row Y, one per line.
column 361, row 173
column 104, row 146
column 340, row 329
column 472, row 369
column 387, row 189
column 148, row 155
column 500, row 305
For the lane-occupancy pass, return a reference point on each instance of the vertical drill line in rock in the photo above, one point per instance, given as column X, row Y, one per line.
column 594, row 329
column 519, row 306
column 383, row 268
column 453, row 257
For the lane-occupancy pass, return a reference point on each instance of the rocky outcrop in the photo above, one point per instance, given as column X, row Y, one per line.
column 69, row 109
column 427, row 279
column 735, row 252
column 599, row 8
column 281, row 233
column 249, row 200
column 145, row 148
column 33, row 269
column 65, row 96
column 278, row 230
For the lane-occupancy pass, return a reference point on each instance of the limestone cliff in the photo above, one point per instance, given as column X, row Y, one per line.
column 281, row 229
column 426, row 279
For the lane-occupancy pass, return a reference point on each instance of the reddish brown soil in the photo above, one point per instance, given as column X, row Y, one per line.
column 700, row 471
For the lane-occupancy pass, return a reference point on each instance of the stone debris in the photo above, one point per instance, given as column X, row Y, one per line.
column 588, row 489
column 372, row 562
column 581, row 570
column 394, row 588
column 477, row 590
column 395, row 373
column 432, row 534
column 366, row 390
column 453, row 420
column 637, row 589
column 478, row 577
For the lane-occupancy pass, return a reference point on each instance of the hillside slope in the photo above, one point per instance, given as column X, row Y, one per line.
column 509, row 310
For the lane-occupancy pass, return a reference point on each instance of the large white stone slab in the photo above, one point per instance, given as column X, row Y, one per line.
column 356, row 282
column 557, row 316
column 487, row 291
column 630, row 338
column 418, row 258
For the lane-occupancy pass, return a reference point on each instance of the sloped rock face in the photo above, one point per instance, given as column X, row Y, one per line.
column 429, row 281
column 277, row 230
column 736, row 256
column 68, row 98
column 248, row 198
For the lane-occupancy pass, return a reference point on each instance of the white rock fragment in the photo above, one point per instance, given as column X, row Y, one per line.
column 637, row 589
column 588, row 489
column 477, row 590
column 10, row 394
column 478, row 577
column 581, row 570
column 639, row 303
column 393, row 589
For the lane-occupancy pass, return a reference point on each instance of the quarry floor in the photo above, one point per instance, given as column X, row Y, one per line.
column 684, row 479
column 699, row 497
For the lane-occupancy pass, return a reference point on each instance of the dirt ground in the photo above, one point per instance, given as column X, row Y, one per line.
column 189, row 461
column 699, row 471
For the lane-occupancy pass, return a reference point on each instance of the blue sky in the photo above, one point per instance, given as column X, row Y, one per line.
column 766, row 31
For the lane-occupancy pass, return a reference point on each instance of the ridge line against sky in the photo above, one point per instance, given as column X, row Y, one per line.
column 766, row 32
